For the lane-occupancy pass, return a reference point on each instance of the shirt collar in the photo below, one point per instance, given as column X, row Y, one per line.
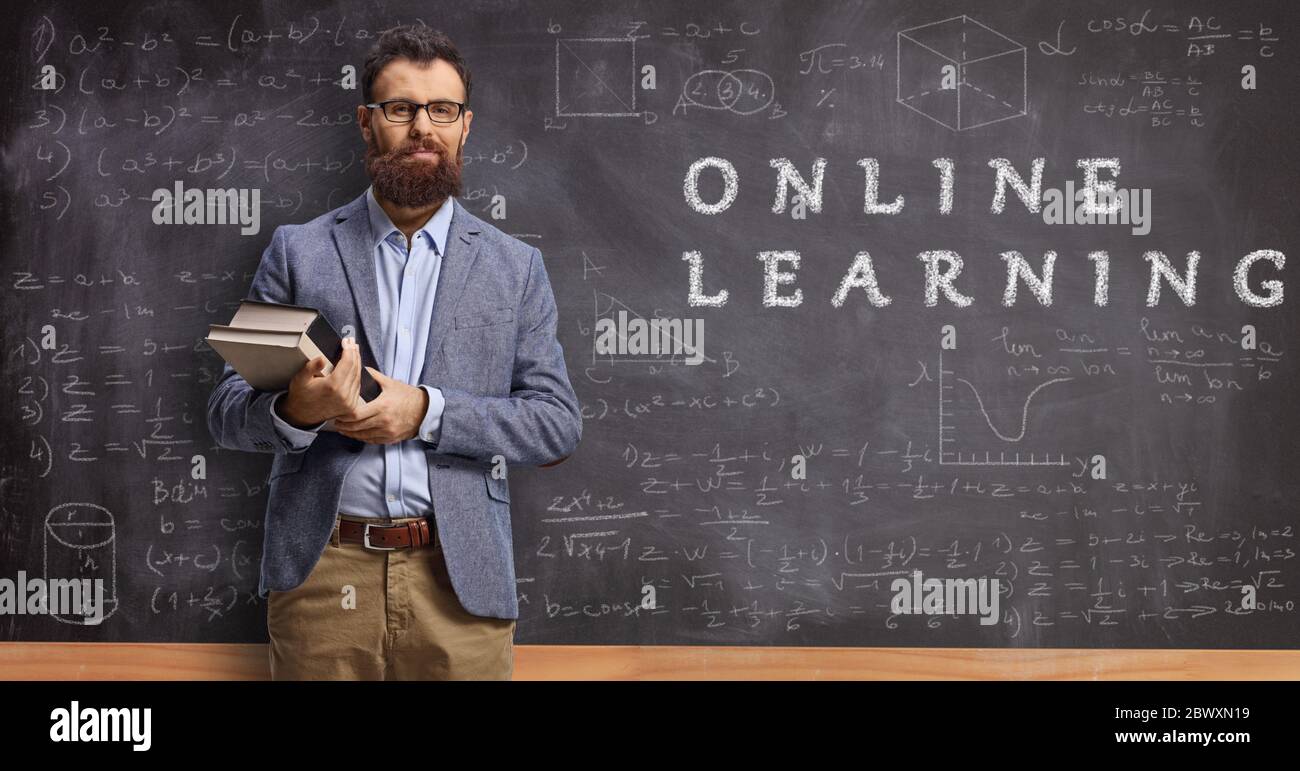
column 435, row 229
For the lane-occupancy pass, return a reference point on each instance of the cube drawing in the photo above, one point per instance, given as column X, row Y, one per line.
column 961, row 73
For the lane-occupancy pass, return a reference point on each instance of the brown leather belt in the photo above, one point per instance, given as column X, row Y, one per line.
column 386, row 537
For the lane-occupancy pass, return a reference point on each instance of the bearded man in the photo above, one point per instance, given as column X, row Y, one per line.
column 387, row 549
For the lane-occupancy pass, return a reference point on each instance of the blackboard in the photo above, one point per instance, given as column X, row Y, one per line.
column 1122, row 469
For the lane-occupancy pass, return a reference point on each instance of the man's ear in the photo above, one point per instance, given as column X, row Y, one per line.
column 363, row 120
column 469, row 117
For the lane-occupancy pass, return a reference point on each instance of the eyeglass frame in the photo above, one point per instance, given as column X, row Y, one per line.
column 460, row 106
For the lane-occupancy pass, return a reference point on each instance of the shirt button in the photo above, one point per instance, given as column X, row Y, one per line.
column 392, row 497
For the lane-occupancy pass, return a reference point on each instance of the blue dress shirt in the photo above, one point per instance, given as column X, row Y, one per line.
column 395, row 477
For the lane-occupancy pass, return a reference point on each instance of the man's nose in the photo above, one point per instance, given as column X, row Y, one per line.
column 422, row 124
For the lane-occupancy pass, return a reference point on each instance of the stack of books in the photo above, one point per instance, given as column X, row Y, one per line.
column 268, row 343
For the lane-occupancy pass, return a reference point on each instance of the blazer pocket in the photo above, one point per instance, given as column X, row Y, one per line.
column 498, row 489
column 287, row 463
column 486, row 318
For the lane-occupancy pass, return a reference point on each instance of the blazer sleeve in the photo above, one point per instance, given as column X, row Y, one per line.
column 239, row 416
column 540, row 422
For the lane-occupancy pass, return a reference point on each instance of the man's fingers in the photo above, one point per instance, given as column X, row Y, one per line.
column 359, row 423
column 360, row 411
column 312, row 368
column 354, row 379
column 308, row 372
column 346, row 362
column 345, row 372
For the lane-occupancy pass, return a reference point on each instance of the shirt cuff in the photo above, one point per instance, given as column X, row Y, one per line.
column 431, row 426
column 296, row 438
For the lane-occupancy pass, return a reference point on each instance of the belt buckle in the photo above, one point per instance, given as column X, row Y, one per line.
column 365, row 539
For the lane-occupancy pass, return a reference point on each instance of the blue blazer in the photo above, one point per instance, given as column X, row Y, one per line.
column 493, row 353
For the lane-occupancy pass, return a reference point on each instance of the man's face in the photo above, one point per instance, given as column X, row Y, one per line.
column 416, row 164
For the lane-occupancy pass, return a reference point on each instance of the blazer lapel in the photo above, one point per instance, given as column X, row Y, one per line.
column 352, row 237
column 463, row 242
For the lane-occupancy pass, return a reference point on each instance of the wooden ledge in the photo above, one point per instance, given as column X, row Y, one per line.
column 195, row 661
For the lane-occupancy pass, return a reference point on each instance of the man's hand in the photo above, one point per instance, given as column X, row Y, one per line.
column 393, row 416
column 314, row 397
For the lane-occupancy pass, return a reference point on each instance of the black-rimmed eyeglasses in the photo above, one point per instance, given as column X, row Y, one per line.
column 403, row 111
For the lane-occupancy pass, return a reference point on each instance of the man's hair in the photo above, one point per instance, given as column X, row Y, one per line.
column 418, row 43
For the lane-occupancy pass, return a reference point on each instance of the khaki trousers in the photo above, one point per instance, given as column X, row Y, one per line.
column 383, row 615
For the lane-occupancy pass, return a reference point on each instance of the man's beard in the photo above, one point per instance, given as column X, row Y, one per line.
column 413, row 182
